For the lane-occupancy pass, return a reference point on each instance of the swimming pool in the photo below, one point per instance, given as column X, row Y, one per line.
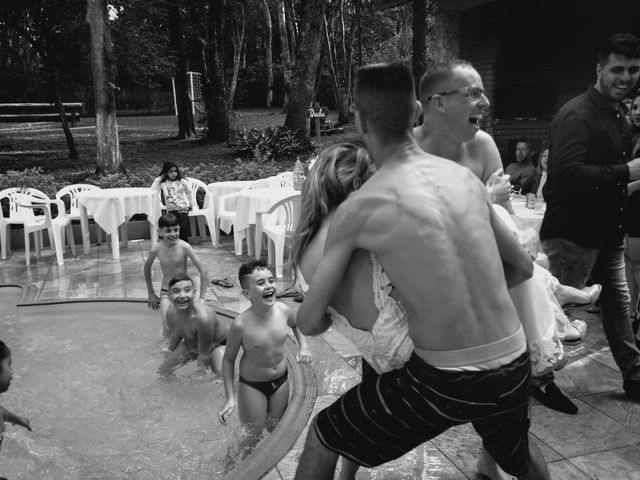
column 85, row 374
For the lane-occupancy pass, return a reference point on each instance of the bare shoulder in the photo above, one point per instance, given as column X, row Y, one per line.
column 287, row 313
column 483, row 151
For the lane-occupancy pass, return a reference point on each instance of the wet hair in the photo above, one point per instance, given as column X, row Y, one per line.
column 338, row 171
column 166, row 166
column 248, row 268
column 168, row 220
column 435, row 77
column 626, row 44
column 385, row 98
column 180, row 278
column 4, row 352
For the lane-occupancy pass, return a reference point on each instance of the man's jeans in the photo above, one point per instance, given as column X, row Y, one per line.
column 572, row 265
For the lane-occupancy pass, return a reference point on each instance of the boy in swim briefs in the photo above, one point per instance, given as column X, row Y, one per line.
column 172, row 253
column 196, row 331
column 261, row 330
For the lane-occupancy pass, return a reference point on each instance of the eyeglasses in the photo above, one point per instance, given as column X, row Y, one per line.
column 474, row 93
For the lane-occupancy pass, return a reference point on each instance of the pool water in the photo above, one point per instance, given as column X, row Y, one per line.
column 86, row 378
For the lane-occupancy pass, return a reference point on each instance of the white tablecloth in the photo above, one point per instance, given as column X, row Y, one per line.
column 530, row 216
column 111, row 207
column 249, row 202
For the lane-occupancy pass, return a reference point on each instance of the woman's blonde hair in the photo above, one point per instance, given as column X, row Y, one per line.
column 337, row 171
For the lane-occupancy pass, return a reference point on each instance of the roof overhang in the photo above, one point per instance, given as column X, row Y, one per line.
column 446, row 5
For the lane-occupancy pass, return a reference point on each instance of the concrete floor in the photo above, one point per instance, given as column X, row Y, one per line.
column 601, row 442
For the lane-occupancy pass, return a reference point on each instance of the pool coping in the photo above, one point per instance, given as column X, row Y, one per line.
column 275, row 446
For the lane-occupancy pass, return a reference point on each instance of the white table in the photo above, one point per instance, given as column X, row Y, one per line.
column 251, row 202
column 112, row 207
column 218, row 189
column 530, row 216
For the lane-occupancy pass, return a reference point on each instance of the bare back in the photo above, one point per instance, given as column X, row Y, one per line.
column 354, row 298
column 428, row 221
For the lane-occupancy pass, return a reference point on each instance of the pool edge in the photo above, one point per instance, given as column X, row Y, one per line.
column 277, row 444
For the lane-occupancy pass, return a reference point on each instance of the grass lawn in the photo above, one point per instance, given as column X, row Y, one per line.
column 145, row 142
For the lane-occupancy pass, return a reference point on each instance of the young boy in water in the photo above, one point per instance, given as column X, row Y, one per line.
column 196, row 331
column 261, row 330
column 172, row 253
column 6, row 374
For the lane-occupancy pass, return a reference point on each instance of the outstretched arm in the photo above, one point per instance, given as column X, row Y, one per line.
column 304, row 355
column 206, row 334
column 203, row 272
column 517, row 263
column 153, row 300
column 15, row 419
column 234, row 340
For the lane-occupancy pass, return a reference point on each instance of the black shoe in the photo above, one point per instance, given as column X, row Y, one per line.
column 632, row 389
column 554, row 399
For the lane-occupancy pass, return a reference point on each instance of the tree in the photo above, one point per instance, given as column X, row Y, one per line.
column 419, row 40
column 286, row 58
column 214, row 85
column 238, row 42
column 268, row 56
column 304, row 73
column 51, row 30
column 108, row 159
column 186, row 127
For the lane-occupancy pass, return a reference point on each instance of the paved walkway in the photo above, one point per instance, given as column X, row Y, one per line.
column 601, row 442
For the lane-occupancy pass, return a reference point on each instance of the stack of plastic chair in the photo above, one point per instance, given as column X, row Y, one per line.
column 74, row 209
column 226, row 211
column 278, row 234
column 21, row 205
column 206, row 214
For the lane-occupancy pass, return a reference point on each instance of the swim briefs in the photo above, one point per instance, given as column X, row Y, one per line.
column 386, row 416
column 267, row 388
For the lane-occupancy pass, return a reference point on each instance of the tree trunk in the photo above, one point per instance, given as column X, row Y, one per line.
column 238, row 43
column 292, row 27
column 268, row 55
column 303, row 78
column 108, row 159
column 186, row 127
column 215, row 90
column 286, row 59
column 71, row 144
column 419, row 41
column 332, row 71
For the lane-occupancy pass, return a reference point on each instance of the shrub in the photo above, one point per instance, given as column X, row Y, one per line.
column 34, row 178
column 269, row 143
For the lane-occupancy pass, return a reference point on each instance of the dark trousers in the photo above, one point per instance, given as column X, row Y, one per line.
column 185, row 228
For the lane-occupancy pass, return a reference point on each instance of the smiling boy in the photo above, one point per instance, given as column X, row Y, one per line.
column 172, row 253
column 261, row 330
column 197, row 332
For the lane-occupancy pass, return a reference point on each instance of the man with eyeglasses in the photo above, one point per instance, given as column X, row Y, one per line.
column 588, row 170
column 459, row 110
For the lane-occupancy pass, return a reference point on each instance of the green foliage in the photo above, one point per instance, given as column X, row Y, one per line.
column 269, row 143
column 32, row 178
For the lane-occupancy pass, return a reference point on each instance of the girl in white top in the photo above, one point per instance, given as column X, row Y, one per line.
column 176, row 194
column 364, row 310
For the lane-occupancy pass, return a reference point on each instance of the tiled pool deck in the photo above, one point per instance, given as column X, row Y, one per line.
column 601, row 442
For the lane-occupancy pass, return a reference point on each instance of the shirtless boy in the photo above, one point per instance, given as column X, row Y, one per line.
column 172, row 253
column 196, row 331
column 261, row 331
column 431, row 224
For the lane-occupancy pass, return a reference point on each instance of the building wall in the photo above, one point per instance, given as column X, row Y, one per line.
column 447, row 43
column 535, row 56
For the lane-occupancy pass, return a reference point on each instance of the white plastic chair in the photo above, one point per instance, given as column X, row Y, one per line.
column 227, row 211
column 279, row 233
column 74, row 208
column 206, row 214
column 22, row 202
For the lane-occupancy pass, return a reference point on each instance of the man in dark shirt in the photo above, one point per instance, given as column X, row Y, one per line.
column 588, row 172
column 522, row 172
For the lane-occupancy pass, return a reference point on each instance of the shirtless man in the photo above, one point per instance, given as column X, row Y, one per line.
column 196, row 331
column 431, row 225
